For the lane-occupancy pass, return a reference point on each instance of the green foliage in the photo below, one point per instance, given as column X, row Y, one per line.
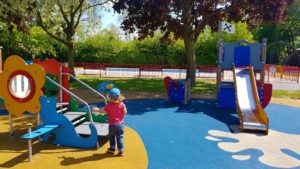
column 106, row 47
column 283, row 38
column 36, row 44
column 207, row 44
column 101, row 48
column 14, row 42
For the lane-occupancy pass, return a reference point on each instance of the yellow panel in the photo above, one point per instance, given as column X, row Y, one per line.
column 16, row 63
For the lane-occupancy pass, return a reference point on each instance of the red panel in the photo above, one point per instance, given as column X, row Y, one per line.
column 52, row 66
column 167, row 82
column 267, row 94
column 65, row 84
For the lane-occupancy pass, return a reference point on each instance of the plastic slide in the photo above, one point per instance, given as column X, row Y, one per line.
column 250, row 112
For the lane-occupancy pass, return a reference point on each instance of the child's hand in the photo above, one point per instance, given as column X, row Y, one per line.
column 96, row 109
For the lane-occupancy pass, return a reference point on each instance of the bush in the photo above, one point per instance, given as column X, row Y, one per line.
column 37, row 44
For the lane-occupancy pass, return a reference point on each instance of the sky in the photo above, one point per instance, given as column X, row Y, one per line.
column 109, row 17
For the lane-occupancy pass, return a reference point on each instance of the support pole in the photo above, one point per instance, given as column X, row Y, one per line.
column 220, row 53
column 11, row 127
column 61, row 83
column 29, row 143
column 263, row 59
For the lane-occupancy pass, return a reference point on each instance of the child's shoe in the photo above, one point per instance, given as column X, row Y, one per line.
column 111, row 150
column 121, row 153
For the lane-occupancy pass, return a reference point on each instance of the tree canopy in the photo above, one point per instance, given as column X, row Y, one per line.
column 283, row 38
column 58, row 18
column 187, row 19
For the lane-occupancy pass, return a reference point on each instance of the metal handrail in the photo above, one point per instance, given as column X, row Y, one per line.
column 87, row 86
column 72, row 94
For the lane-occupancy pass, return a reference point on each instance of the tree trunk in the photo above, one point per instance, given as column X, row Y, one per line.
column 71, row 55
column 191, row 58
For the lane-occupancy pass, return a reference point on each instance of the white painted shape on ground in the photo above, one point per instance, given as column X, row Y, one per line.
column 271, row 145
column 212, row 138
column 241, row 157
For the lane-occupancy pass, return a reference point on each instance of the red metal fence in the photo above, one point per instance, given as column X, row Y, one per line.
column 273, row 73
column 278, row 73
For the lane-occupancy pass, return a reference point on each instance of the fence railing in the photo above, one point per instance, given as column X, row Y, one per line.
column 278, row 73
column 273, row 73
column 144, row 70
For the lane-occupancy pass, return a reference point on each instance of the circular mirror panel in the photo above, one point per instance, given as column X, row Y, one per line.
column 21, row 86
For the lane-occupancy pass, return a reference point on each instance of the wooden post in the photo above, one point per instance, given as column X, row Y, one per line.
column 220, row 53
column 1, row 59
column 263, row 59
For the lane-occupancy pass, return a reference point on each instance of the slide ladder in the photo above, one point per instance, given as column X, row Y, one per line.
column 250, row 112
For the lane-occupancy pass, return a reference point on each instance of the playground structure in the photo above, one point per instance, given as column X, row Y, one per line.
column 178, row 91
column 247, row 95
column 26, row 92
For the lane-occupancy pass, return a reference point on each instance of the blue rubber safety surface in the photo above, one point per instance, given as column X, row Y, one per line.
column 174, row 135
column 3, row 112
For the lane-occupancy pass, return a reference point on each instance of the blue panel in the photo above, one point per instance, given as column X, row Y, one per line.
column 226, row 96
column 28, row 62
column 242, row 56
column 66, row 134
column 176, row 91
column 40, row 131
column 102, row 87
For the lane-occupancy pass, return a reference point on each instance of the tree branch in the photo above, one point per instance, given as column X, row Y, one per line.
column 40, row 23
column 73, row 13
column 78, row 20
column 98, row 4
column 63, row 13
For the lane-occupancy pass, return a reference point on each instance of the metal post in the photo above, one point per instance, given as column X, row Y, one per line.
column 76, row 97
column 29, row 142
column 60, row 82
column 263, row 59
column 87, row 86
column 38, row 119
column 220, row 53
column 11, row 127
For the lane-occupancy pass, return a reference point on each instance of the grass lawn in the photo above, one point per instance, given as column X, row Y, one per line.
column 203, row 86
column 144, row 85
column 286, row 94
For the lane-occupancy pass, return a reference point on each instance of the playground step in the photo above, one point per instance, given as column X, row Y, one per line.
column 62, row 105
column 61, row 111
column 79, row 121
column 74, row 116
column 102, row 128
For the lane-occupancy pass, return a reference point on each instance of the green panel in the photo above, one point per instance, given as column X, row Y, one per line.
column 51, row 90
column 1, row 103
column 73, row 105
column 97, row 118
